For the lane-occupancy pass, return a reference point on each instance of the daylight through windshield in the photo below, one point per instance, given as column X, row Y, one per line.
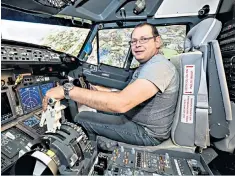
column 59, row 38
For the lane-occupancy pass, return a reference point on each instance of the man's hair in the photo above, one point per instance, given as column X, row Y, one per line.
column 154, row 29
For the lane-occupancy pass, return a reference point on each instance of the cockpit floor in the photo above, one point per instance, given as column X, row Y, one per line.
column 224, row 164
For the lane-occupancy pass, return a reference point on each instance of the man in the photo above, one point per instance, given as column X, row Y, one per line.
column 147, row 104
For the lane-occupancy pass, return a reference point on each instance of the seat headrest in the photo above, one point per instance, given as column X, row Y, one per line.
column 202, row 33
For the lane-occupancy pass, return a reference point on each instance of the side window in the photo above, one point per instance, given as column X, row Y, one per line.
column 113, row 47
column 172, row 41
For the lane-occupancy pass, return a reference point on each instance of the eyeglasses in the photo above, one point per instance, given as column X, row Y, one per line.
column 141, row 40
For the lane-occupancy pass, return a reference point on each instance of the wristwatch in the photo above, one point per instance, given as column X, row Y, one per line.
column 67, row 87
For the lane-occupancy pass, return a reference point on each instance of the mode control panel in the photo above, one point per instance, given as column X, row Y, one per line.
column 25, row 54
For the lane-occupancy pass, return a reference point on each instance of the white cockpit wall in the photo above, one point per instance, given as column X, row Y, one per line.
column 177, row 8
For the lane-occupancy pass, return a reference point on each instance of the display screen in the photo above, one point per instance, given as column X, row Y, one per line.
column 30, row 98
column 31, row 122
column 12, row 141
column 5, row 106
column 45, row 87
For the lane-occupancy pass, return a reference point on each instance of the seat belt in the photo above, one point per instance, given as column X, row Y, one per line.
column 202, row 110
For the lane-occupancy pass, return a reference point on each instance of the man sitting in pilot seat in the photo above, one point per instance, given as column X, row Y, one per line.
column 146, row 106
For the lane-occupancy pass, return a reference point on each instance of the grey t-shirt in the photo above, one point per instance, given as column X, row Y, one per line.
column 156, row 114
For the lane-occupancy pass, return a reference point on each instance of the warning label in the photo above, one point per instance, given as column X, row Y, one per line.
column 189, row 78
column 187, row 111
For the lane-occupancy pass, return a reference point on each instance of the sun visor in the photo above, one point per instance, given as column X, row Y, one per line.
column 173, row 8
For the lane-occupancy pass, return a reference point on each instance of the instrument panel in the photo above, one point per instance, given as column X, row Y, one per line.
column 30, row 98
column 8, row 111
column 32, row 124
column 25, row 127
column 5, row 107
column 25, row 54
column 45, row 87
column 12, row 141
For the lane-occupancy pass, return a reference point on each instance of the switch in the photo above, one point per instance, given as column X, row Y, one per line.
column 167, row 156
column 103, row 161
column 99, row 169
column 122, row 149
column 126, row 161
column 133, row 151
column 193, row 162
column 109, row 173
column 128, row 173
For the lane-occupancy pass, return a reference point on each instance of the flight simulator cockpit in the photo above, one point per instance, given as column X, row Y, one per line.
column 46, row 44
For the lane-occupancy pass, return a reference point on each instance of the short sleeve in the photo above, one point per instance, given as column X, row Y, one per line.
column 159, row 73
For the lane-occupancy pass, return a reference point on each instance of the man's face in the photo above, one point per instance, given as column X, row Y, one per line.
column 143, row 44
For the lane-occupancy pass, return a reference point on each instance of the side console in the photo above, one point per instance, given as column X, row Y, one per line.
column 227, row 45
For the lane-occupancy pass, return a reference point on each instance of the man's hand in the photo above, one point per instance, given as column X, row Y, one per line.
column 56, row 93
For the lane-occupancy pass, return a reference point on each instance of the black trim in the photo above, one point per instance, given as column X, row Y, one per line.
column 187, row 20
column 109, row 10
column 219, row 6
column 91, row 35
column 17, row 15
column 127, row 64
column 29, row 6
column 98, row 47
column 155, row 8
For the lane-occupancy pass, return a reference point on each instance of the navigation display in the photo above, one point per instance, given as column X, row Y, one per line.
column 30, row 98
column 31, row 122
column 45, row 87
column 5, row 107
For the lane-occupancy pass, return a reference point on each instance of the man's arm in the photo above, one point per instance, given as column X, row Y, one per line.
column 100, row 88
column 120, row 102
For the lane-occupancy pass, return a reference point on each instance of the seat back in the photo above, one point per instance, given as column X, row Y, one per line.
column 191, row 124
column 188, row 66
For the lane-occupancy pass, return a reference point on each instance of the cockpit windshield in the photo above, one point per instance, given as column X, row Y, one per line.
column 60, row 38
